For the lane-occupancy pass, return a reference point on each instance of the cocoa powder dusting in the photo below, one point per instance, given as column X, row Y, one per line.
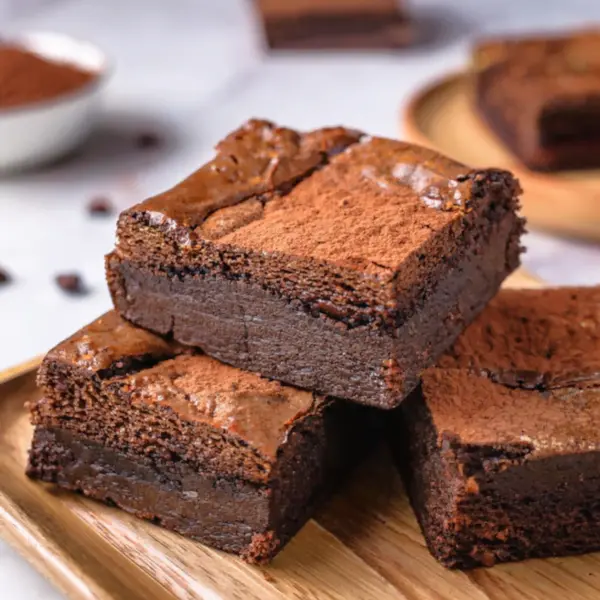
column 27, row 78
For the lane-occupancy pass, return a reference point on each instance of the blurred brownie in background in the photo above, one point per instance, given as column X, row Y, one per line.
column 318, row 24
column 541, row 96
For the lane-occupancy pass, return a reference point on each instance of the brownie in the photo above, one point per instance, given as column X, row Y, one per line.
column 223, row 456
column 500, row 448
column 334, row 24
column 541, row 97
column 333, row 261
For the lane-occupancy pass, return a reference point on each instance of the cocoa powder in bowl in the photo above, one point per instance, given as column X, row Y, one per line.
column 26, row 78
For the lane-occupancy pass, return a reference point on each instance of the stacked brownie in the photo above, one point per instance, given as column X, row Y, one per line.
column 332, row 261
column 215, row 453
column 338, row 263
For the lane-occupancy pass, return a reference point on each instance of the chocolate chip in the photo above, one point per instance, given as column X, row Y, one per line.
column 148, row 140
column 4, row 276
column 71, row 283
column 462, row 178
column 100, row 206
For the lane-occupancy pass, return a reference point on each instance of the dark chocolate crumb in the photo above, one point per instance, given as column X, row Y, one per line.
column 268, row 576
column 148, row 140
column 71, row 283
column 100, row 206
column 4, row 276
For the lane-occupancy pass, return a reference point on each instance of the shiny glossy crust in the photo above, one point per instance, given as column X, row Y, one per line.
column 116, row 367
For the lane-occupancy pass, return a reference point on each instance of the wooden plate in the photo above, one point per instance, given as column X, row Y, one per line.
column 365, row 544
column 442, row 117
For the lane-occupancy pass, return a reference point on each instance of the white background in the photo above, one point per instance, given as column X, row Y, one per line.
column 192, row 70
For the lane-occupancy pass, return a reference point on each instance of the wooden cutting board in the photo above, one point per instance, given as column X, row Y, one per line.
column 442, row 116
column 365, row 544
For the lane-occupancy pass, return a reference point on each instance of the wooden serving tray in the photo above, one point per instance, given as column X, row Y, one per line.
column 365, row 544
column 442, row 116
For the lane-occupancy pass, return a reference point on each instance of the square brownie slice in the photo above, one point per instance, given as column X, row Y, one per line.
column 220, row 455
column 541, row 97
column 500, row 448
column 329, row 260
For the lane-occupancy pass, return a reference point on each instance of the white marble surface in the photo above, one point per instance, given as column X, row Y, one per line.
column 193, row 69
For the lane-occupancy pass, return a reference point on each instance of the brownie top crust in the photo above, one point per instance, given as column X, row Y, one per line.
column 525, row 373
column 199, row 388
column 142, row 369
column 256, row 159
column 541, row 338
column 381, row 196
column 472, row 410
column 109, row 345
column 330, row 196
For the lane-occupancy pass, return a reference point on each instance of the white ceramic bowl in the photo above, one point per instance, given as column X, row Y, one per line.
column 38, row 133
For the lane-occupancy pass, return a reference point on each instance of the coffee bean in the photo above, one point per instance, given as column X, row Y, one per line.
column 100, row 206
column 148, row 140
column 4, row 276
column 71, row 283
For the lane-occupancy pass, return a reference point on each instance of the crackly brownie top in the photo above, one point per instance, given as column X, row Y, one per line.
column 527, row 371
column 553, row 332
column 332, row 195
column 109, row 344
column 258, row 158
column 243, row 404
column 476, row 411
column 195, row 387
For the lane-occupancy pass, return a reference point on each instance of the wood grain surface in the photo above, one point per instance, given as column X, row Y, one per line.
column 442, row 116
column 364, row 544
